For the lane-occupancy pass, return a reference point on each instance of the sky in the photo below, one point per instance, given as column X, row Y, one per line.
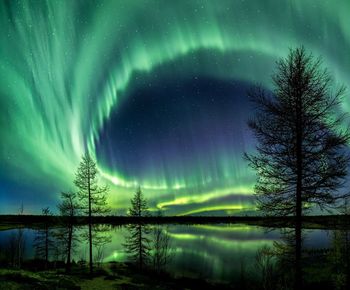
column 156, row 91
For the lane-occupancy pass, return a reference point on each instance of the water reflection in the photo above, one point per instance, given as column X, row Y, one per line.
column 218, row 252
column 339, row 259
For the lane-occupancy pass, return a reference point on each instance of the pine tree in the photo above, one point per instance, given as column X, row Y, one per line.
column 161, row 246
column 300, row 159
column 137, row 242
column 93, row 198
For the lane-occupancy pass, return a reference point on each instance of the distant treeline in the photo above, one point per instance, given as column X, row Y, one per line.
column 325, row 222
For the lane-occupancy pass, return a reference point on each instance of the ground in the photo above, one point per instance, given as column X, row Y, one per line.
column 123, row 277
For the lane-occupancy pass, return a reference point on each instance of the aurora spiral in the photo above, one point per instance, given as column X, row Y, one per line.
column 154, row 90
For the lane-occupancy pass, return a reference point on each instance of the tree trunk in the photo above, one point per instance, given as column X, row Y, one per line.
column 298, row 244
column 298, row 197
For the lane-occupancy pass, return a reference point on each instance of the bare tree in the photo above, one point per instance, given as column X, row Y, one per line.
column 93, row 199
column 43, row 242
column 137, row 242
column 300, row 159
column 161, row 247
column 68, row 209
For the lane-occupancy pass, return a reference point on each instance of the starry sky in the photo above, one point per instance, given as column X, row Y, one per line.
column 156, row 91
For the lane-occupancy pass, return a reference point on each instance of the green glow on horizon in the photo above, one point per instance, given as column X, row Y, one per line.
column 229, row 209
column 203, row 197
column 63, row 73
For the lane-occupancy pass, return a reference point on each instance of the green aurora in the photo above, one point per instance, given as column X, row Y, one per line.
column 67, row 67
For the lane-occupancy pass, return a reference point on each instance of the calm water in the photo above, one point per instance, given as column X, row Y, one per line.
column 215, row 252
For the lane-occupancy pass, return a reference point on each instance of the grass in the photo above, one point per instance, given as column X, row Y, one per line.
column 124, row 276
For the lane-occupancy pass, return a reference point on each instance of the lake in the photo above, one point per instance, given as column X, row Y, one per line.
column 216, row 252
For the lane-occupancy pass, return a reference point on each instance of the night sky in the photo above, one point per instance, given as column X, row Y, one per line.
column 156, row 91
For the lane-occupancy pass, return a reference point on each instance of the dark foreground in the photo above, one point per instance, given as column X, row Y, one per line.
column 108, row 276
column 126, row 276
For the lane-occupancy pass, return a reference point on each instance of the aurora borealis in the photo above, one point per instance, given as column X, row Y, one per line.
column 155, row 90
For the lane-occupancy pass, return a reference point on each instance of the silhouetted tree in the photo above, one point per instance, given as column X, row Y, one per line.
column 283, row 254
column 68, row 208
column 93, row 199
column 137, row 242
column 265, row 265
column 300, row 159
column 43, row 242
column 161, row 247
column 101, row 236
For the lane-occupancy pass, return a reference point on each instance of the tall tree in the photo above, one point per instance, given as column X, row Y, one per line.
column 301, row 159
column 43, row 242
column 68, row 208
column 137, row 242
column 93, row 198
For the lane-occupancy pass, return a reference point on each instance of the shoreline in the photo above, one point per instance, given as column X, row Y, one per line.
column 309, row 222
